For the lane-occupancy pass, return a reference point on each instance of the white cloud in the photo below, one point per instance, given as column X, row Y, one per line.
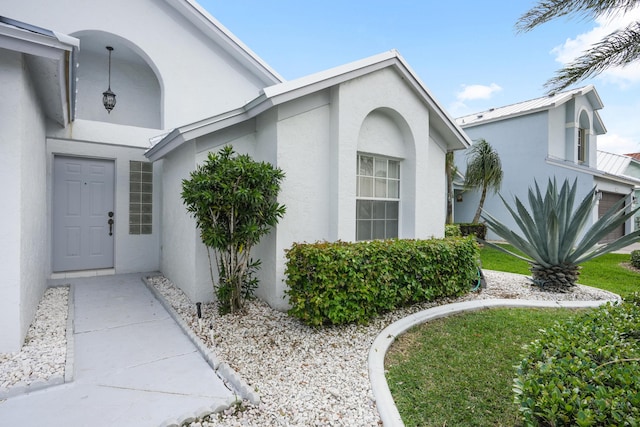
column 472, row 92
column 615, row 143
column 572, row 48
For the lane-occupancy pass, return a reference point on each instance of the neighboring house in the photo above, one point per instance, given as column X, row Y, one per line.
column 625, row 166
column 362, row 146
column 550, row 137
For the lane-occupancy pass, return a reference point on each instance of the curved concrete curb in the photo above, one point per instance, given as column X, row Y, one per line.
column 384, row 401
column 223, row 370
column 23, row 388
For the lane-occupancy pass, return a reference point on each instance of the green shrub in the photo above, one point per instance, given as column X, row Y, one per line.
column 337, row 283
column 478, row 230
column 584, row 372
column 452, row 230
column 635, row 259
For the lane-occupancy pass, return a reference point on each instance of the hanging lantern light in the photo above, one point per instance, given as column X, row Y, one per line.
column 108, row 97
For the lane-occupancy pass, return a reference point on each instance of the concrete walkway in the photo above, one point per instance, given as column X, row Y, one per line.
column 629, row 249
column 133, row 365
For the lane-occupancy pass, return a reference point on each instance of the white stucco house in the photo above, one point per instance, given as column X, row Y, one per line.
column 95, row 192
column 552, row 136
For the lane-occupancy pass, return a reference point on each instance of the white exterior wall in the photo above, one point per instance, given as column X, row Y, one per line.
column 557, row 131
column 23, row 257
column 179, row 234
column 197, row 83
column 318, row 150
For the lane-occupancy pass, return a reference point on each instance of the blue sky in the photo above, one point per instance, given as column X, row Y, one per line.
column 466, row 52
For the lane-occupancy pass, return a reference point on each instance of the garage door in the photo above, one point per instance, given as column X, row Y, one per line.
column 607, row 201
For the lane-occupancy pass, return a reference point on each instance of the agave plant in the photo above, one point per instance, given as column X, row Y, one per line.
column 550, row 232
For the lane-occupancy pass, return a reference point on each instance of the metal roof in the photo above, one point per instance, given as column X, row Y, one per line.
column 615, row 164
column 527, row 107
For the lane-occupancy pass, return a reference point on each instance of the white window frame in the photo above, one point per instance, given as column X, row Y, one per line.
column 377, row 197
column 582, row 145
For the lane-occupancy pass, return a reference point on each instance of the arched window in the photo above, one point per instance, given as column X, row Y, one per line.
column 381, row 150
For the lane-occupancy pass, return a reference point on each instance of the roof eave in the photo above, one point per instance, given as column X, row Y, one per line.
column 180, row 135
column 57, row 53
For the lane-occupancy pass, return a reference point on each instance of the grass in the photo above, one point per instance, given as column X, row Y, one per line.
column 458, row 371
column 605, row 272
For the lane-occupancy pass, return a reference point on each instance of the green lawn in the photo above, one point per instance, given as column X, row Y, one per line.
column 458, row 371
column 604, row 272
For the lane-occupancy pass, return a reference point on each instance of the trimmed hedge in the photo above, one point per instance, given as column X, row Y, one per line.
column 337, row 283
column 452, row 230
column 584, row 372
column 635, row 259
column 478, row 230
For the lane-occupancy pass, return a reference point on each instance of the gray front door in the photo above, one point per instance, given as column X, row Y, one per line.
column 83, row 191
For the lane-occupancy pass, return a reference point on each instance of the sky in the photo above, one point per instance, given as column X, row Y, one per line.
column 466, row 52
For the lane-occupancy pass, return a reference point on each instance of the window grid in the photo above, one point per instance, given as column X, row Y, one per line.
column 582, row 145
column 140, row 197
column 377, row 197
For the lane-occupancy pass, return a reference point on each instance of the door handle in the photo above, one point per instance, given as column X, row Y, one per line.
column 110, row 222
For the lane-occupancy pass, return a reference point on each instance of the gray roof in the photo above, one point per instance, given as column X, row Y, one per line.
column 615, row 164
column 535, row 105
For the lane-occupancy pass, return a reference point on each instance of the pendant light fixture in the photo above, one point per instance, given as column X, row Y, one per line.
column 108, row 97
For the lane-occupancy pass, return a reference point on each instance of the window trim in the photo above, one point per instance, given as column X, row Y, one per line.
column 582, row 145
column 373, row 190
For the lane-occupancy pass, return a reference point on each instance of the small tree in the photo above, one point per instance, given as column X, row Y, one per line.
column 451, row 170
column 234, row 201
column 484, row 170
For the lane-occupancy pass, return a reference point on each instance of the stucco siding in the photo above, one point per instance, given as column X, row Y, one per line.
column 304, row 155
column 23, row 259
column 420, row 214
column 206, row 81
column 557, row 131
column 179, row 234
column 522, row 146
column 34, row 262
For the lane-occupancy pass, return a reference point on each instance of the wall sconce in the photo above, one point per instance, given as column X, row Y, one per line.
column 458, row 197
column 599, row 195
column 108, row 97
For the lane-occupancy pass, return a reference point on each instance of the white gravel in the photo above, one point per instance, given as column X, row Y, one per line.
column 44, row 352
column 315, row 376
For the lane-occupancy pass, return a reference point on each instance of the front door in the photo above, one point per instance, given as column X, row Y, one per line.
column 83, row 213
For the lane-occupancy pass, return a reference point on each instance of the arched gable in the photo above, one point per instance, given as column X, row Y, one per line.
column 134, row 79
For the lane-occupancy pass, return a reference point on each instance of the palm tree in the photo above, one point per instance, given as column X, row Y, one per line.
column 550, row 232
column 484, row 169
column 451, row 170
column 616, row 49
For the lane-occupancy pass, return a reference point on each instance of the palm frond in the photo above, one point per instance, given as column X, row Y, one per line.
column 547, row 10
column 615, row 50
